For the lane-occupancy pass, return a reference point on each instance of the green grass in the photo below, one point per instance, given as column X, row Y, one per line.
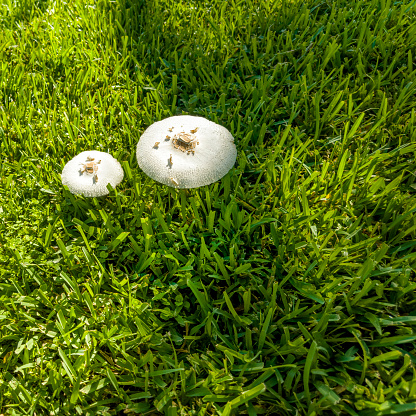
column 286, row 288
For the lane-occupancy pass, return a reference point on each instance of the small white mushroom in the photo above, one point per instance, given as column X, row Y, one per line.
column 203, row 152
column 90, row 172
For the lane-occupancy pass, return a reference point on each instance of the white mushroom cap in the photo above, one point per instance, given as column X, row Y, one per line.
column 90, row 172
column 213, row 153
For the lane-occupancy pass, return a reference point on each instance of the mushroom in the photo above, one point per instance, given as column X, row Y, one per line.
column 90, row 172
column 198, row 153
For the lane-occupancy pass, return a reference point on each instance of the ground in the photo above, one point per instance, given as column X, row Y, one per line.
column 285, row 288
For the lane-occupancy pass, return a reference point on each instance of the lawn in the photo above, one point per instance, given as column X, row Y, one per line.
column 285, row 288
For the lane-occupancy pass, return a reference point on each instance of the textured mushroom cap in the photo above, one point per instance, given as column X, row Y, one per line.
column 93, row 183
column 214, row 152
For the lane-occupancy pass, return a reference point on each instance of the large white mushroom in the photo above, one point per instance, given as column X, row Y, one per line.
column 186, row 151
column 90, row 172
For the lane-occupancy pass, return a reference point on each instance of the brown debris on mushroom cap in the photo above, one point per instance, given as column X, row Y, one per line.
column 185, row 142
column 203, row 152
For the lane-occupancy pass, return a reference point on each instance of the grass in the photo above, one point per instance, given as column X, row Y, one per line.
column 286, row 288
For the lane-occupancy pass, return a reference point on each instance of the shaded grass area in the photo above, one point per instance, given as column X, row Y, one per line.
column 286, row 288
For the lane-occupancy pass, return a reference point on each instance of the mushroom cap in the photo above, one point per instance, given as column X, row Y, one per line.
column 211, row 155
column 102, row 169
